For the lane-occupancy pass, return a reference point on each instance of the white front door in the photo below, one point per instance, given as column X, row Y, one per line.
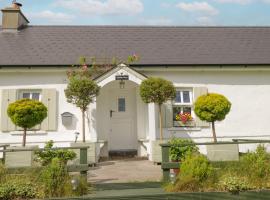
column 123, row 134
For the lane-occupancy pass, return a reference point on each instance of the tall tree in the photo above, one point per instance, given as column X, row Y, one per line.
column 81, row 91
column 159, row 91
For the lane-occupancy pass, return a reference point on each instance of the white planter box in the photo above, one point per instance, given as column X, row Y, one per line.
column 20, row 158
column 223, row 152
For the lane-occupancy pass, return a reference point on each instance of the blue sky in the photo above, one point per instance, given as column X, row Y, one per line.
column 146, row 12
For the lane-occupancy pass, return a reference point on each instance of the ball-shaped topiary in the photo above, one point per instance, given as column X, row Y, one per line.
column 212, row 107
column 27, row 113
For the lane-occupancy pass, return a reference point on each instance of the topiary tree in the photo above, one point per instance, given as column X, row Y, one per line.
column 159, row 91
column 212, row 107
column 81, row 91
column 26, row 113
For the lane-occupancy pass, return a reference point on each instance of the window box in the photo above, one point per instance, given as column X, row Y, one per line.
column 181, row 124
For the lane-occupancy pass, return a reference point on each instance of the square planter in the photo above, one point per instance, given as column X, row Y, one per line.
column 92, row 150
column 223, row 152
column 20, row 158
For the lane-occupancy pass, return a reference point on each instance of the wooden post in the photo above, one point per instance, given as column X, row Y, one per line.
column 165, row 159
column 83, row 159
column 4, row 153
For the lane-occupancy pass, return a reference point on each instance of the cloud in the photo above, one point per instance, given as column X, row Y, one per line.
column 53, row 17
column 198, row 7
column 157, row 22
column 243, row 2
column 98, row 7
column 205, row 21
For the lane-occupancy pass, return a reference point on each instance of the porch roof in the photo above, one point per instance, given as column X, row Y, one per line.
column 63, row 45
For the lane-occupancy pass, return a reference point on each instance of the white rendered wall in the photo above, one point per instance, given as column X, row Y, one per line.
column 248, row 91
column 41, row 80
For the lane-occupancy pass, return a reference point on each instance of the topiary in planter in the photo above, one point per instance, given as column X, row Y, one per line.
column 212, row 107
column 26, row 113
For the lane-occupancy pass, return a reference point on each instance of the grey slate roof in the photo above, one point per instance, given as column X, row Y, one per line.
column 63, row 45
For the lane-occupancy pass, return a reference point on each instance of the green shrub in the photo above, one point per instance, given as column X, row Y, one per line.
column 196, row 166
column 257, row 166
column 45, row 157
column 178, row 152
column 18, row 190
column 234, row 184
column 56, row 180
column 82, row 187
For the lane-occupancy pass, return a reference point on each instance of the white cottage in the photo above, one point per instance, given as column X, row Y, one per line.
column 233, row 61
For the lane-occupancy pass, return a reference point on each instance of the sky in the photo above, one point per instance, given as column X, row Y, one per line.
column 146, row 12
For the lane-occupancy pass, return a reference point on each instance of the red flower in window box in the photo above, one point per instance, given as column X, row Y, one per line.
column 184, row 117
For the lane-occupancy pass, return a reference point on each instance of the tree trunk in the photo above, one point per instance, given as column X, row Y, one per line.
column 214, row 132
column 83, row 125
column 160, row 123
column 24, row 137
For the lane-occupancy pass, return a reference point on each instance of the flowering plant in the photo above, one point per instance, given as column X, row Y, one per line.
column 184, row 117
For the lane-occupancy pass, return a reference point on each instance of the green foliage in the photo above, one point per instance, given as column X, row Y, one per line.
column 55, row 179
column 257, row 166
column 48, row 154
column 157, row 90
column 212, row 107
column 178, row 152
column 81, row 92
column 234, row 184
column 27, row 113
column 18, row 190
column 196, row 166
column 3, row 172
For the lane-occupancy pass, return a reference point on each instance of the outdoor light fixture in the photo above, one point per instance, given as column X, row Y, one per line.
column 122, row 79
column 172, row 177
column 74, row 183
column 76, row 136
column 122, row 84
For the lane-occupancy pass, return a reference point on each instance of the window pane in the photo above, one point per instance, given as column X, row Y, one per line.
column 178, row 97
column 121, row 105
column 186, row 97
column 187, row 110
column 176, row 111
column 26, row 96
column 35, row 96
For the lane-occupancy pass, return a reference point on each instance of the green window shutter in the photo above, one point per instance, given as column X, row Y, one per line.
column 8, row 96
column 49, row 99
column 167, row 115
column 198, row 91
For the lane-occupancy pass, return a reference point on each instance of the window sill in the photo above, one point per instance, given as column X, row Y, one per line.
column 185, row 129
column 29, row 133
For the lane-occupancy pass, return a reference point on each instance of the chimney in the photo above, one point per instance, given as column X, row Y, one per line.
column 13, row 18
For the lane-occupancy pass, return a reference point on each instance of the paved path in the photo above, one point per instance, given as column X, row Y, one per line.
column 124, row 171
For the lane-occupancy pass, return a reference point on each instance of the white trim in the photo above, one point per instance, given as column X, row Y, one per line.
column 120, row 70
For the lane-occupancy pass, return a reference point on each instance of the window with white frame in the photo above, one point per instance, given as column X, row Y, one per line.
column 34, row 95
column 182, row 104
column 30, row 94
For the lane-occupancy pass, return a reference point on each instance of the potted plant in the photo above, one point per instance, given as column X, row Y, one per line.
column 24, row 113
column 211, row 108
column 184, row 119
column 179, row 149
